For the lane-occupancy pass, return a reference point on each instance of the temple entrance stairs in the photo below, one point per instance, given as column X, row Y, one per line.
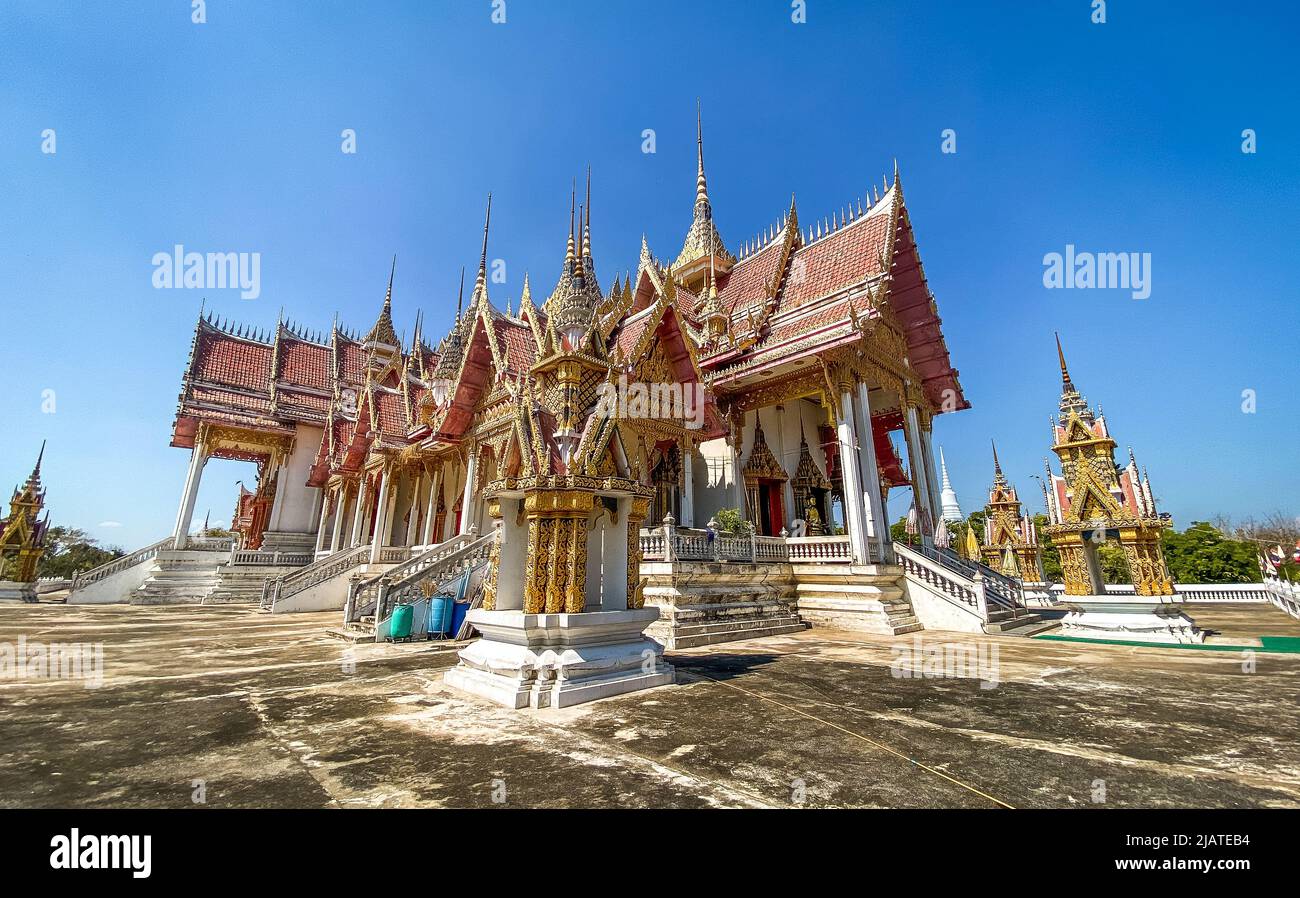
column 949, row 592
column 456, row 566
column 155, row 575
column 323, row 584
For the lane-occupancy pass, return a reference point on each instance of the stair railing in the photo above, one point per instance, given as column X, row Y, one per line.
column 109, row 568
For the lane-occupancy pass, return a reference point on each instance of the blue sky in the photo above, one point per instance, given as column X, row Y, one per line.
column 225, row 136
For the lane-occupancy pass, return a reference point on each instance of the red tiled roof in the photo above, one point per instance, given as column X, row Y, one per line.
column 351, row 361
column 847, row 257
column 391, row 413
column 305, row 364
column 742, row 286
column 517, row 343
column 223, row 359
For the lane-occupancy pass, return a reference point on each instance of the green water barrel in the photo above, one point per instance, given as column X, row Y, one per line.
column 400, row 625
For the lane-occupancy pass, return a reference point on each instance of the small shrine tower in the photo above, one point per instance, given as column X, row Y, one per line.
column 1010, row 540
column 1094, row 500
column 22, row 538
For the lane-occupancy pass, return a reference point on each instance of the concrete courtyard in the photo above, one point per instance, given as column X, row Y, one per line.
column 241, row 708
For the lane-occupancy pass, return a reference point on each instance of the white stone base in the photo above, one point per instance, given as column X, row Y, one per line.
column 13, row 591
column 557, row 660
column 1154, row 619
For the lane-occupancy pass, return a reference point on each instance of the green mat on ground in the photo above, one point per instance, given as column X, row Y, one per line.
column 1289, row 645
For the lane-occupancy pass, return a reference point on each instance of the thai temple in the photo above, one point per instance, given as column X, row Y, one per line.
column 22, row 538
column 701, row 451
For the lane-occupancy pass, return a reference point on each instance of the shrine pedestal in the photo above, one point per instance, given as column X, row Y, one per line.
column 13, row 591
column 1154, row 619
column 557, row 660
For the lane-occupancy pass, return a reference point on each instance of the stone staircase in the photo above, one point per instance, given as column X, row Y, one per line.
column 707, row 602
column 179, row 578
column 954, row 593
column 866, row 598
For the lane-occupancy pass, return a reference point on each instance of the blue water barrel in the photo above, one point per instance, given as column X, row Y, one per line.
column 439, row 614
column 458, row 612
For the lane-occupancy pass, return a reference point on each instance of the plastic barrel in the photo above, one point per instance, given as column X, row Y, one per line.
column 400, row 625
column 458, row 612
column 438, row 612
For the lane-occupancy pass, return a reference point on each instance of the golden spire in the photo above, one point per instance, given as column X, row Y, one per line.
column 1065, row 372
column 702, row 239
column 569, row 252
column 460, row 295
column 480, row 284
column 383, row 331
column 998, row 479
column 701, row 186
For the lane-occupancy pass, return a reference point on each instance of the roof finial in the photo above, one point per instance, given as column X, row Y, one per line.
column 460, row 296
column 36, row 471
column 997, row 465
column 569, row 250
column 388, row 297
column 481, row 283
column 586, row 224
column 701, row 187
column 1065, row 372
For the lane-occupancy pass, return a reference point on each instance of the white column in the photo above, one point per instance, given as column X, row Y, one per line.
column 381, row 515
column 413, row 516
column 281, row 484
column 467, row 499
column 324, row 518
column 340, row 508
column 920, row 481
column 849, row 477
column 737, row 470
column 873, row 503
column 359, row 513
column 931, row 472
column 688, row 483
column 198, row 458
column 434, row 488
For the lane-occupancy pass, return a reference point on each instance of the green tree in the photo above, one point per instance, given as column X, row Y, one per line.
column 1202, row 554
column 730, row 521
column 70, row 551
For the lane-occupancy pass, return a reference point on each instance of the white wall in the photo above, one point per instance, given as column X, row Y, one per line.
column 297, row 508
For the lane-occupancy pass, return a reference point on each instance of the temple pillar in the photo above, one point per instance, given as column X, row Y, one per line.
column 467, row 499
column 326, row 502
column 413, row 516
column 920, row 480
column 736, row 443
column 381, row 515
column 185, row 515
column 852, row 485
column 931, row 472
column 688, row 482
column 435, row 486
column 359, row 513
column 877, row 528
column 340, row 510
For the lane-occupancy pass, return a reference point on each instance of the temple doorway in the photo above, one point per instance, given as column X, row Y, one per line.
column 771, row 506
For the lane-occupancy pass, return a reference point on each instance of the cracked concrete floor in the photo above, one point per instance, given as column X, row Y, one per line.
column 267, row 711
